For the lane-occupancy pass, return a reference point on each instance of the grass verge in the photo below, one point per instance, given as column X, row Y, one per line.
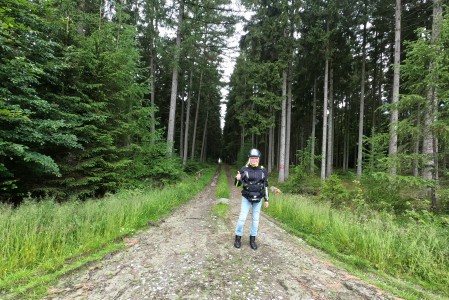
column 221, row 209
column 43, row 240
column 222, row 190
column 373, row 242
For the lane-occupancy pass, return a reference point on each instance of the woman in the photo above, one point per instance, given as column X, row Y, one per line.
column 254, row 179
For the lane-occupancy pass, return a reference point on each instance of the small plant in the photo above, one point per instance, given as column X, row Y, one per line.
column 334, row 191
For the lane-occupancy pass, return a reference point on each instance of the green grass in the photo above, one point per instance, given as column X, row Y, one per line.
column 222, row 190
column 416, row 252
column 221, row 210
column 41, row 240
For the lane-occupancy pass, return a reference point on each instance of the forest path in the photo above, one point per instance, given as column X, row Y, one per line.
column 190, row 255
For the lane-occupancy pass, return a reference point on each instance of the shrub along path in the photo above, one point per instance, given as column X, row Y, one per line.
column 190, row 255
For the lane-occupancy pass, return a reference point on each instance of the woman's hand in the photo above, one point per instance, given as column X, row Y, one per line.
column 238, row 176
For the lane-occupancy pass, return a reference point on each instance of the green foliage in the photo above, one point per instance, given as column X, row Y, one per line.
column 305, row 158
column 334, row 191
column 32, row 125
column 295, row 181
column 151, row 162
column 374, row 151
column 193, row 166
column 301, row 179
column 386, row 192
column 443, row 196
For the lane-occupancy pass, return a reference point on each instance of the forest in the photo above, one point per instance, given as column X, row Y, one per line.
column 112, row 115
column 97, row 96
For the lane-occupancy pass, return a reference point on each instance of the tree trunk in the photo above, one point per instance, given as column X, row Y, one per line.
column 181, row 131
column 281, row 177
column 312, row 146
column 393, row 147
column 416, row 146
column 324, row 137
column 174, row 87
column 186, row 132
column 289, row 124
column 362, row 108
column 271, row 149
column 153, row 23
column 152, row 97
column 429, row 149
column 330, row 126
column 192, row 154
column 204, row 142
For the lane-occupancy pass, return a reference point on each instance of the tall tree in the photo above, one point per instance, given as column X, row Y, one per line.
column 429, row 149
column 362, row 107
column 174, row 84
column 393, row 147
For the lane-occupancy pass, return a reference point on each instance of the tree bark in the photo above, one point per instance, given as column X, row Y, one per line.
column 393, row 147
column 204, row 142
column 324, row 137
column 416, row 144
column 281, row 177
column 429, row 149
column 312, row 146
column 330, row 125
column 181, row 131
column 270, row 147
column 192, row 154
column 174, row 87
column 362, row 107
column 289, row 124
column 186, row 132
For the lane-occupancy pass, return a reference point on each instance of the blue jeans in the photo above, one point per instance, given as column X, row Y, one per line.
column 244, row 210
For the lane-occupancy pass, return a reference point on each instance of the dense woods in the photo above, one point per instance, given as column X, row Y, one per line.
column 345, row 87
column 85, row 105
column 101, row 95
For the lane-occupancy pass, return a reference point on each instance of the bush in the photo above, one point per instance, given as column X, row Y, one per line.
column 193, row 166
column 334, row 191
column 299, row 182
column 391, row 193
column 152, row 162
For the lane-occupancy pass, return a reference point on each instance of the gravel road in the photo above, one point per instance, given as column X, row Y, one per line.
column 190, row 255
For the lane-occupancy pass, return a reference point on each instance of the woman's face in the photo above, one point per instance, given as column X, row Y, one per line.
column 254, row 159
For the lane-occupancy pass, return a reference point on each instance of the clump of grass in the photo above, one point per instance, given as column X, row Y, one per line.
column 221, row 210
column 407, row 250
column 39, row 237
column 222, row 190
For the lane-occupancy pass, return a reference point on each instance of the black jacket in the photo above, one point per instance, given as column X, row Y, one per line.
column 254, row 181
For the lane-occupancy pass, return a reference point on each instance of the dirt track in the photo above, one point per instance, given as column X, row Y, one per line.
column 190, row 255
